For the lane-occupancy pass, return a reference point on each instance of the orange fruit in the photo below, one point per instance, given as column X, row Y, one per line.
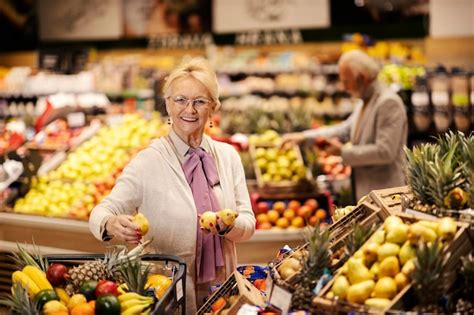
column 321, row 214
column 59, row 313
column 304, row 211
column 273, row 216
column 92, row 303
column 283, row 223
column 294, row 205
column 279, row 206
column 298, row 222
column 289, row 214
column 262, row 217
column 264, row 226
column 83, row 309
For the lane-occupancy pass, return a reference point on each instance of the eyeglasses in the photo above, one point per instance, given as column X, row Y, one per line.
column 197, row 103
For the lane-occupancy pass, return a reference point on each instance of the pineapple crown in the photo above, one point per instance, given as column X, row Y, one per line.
column 318, row 257
column 357, row 238
column 19, row 302
column 24, row 257
column 434, row 170
column 135, row 274
column 429, row 274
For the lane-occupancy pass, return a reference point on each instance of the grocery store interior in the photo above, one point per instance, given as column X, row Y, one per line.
column 340, row 132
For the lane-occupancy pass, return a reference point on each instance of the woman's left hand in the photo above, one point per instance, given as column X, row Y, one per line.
column 225, row 221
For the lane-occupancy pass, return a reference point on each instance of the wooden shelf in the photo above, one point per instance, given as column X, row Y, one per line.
column 56, row 235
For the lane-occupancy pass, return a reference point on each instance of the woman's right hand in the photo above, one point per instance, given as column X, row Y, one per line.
column 123, row 228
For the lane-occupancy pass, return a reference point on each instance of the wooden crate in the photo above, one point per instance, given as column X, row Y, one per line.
column 459, row 246
column 284, row 186
column 390, row 200
column 7, row 267
column 364, row 215
column 236, row 284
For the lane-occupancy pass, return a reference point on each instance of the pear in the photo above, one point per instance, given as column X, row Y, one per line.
column 378, row 237
column 377, row 303
column 447, row 228
column 408, row 267
column 370, row 252
column 389, row 267
column 329, row 295
column 375, row 269
column 429, row 224
column 385, row 288
column 391, row 222
column 359, row 254
column 357, row 271
column 398, row 234
column 406, row 253
column 417, row 232
column 401, row 280
column 358, row 293
column 142, row 222
column 387, row 250
column 340, row 287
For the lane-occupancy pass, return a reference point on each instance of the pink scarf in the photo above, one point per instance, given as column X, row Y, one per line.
column 201, row 173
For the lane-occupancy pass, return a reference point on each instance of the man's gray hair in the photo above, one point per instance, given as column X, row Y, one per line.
column 360, row 63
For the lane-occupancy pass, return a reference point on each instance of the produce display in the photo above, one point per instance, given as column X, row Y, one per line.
column 252, row 114
column 386, row 263
column 57, row 135
column 292, row 215
column 119, row 283
column 90, row 171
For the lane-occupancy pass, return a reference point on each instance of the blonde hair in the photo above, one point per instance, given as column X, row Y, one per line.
column 360, row 64
column 199, row 69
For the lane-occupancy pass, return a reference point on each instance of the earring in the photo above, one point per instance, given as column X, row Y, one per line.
column 210, row 124
column 169, row 121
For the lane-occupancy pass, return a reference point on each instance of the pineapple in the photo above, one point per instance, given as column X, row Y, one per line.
column 23, row 258
column 107, row 268
column 465, row 305
column 435, row 178
column 135, row 274
column 19, row 302
column 314, row 264
column 429, row 277
column 357, row 238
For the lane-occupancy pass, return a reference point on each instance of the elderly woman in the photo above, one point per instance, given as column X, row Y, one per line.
column 179, row 177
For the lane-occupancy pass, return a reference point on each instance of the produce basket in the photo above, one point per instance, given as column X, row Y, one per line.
column 459, row 246
column 390, row 200
column 236, row 285
column 364, row 215
column 173, row 301
column 287, row 162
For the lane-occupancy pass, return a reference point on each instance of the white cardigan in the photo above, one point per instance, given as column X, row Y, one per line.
column 154, row 183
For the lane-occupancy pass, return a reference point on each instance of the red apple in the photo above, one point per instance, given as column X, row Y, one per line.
column 55, row 274
column 262, row 207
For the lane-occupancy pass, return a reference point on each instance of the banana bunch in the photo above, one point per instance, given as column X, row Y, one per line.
column 32, row 279
column 133, row 303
